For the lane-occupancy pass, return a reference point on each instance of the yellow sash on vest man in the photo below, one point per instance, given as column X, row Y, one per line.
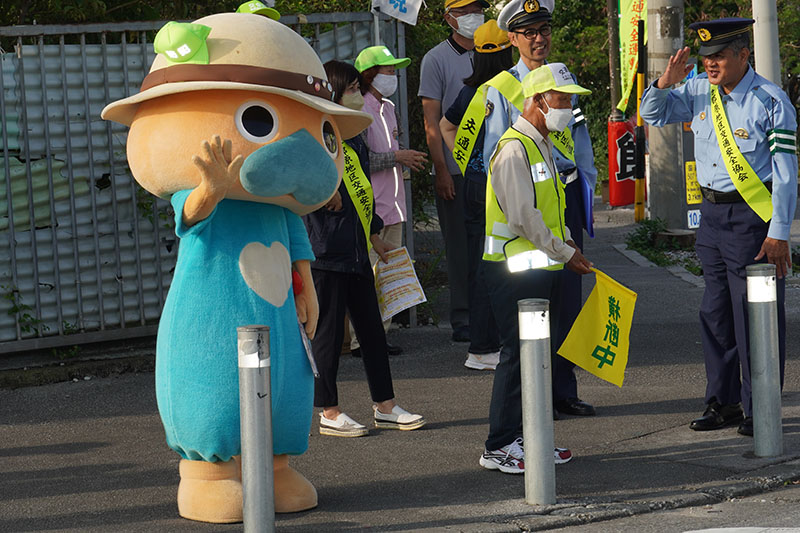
column 511, row 89
column 744, row 178
column 359, row 189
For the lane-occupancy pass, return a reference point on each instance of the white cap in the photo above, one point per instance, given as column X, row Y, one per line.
column 519, row 13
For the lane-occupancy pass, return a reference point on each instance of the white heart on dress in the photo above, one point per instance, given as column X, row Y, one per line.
column 267, row 270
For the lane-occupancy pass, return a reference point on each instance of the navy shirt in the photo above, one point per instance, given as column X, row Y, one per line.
column 476, row 168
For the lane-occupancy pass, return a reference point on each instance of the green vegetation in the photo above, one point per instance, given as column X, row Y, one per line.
column 21, row 311
column 660, row 251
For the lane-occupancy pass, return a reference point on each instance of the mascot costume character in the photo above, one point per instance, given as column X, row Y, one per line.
column 235, row 124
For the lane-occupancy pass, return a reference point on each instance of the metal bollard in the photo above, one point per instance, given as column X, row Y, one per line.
column 537, row 401
column 255, row 409
column 762, row 311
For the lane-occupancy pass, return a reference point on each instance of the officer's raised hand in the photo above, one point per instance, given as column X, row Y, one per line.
column 578, row 263
column 677, row 69
column 777, row 253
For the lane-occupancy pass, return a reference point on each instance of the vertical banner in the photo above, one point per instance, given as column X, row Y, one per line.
column 630, row 12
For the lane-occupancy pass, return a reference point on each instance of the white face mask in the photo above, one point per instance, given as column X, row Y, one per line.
column 385, row 84
column 556, row 119
column 467, row 24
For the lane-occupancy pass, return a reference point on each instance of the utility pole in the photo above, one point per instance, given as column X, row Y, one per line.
column 613, row 60
column 765, row 39
column 667, row 188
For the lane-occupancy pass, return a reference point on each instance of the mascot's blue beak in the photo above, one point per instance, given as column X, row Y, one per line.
column 298, row 165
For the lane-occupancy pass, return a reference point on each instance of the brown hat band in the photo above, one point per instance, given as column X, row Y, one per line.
column 269, row 77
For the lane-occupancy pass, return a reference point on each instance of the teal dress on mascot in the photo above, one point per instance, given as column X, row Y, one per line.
column 212, row 293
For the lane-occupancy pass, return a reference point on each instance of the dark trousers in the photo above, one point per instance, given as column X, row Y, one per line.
column 729, row 237
column 483, row 336
column 565, row 385
column 451, row 222
column 354, row 293
column 505, row 289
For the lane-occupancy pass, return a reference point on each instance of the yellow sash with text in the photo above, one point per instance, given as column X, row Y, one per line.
column 744, row 178
column 472, row 121
column 359, row 189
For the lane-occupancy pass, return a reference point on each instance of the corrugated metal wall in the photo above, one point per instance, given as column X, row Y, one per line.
column 89, row 253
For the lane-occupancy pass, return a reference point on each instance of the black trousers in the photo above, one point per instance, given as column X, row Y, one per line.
column 729, row 237
column 505, row 289
column 338, row 292
column 483, row 336
column 565, row 385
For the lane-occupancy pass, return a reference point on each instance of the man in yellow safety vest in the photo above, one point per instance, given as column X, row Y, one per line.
column 527, row 245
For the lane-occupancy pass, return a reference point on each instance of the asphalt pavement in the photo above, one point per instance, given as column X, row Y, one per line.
column 89, row 454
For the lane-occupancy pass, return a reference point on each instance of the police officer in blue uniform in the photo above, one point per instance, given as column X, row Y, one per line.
column 528, row 23
column 749, row 193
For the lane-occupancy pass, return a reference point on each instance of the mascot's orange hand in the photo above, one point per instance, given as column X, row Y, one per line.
column 218, row 172
column 305, row 300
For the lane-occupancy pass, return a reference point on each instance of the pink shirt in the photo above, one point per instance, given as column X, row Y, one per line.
column 387, row 185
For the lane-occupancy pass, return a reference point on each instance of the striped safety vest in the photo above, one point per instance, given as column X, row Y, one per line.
column 501, row 243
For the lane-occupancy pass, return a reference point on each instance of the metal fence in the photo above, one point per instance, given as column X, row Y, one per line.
column 89, row 253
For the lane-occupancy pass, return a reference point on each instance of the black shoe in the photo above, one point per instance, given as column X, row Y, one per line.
column 718, row 416
column 746, row 427
column 461, row 334
column 356, row 352
column 556, row 416
column 393, row 349
column 574, row 406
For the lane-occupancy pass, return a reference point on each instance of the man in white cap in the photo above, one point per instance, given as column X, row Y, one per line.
column 527, row 247
column 529, row 26
column 442, row 75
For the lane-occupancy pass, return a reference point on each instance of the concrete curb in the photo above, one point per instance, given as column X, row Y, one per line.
column 75, row 370
column 577, row 513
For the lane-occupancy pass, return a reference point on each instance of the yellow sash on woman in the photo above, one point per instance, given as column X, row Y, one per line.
column 359, row 189
column 744, row 178
column 511, row 89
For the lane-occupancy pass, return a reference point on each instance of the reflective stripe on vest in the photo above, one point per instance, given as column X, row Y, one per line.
column 744, row 178
column 501, row 243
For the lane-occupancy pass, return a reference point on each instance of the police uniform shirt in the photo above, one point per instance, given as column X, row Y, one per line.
column 516, row 195
column 752, row 114
column 504, row 114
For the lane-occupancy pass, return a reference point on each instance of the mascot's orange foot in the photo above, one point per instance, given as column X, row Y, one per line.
column 293, row 492
column 210, row 492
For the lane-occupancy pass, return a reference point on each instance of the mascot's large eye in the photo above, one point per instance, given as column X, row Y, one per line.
column 257, row 122
column 329, row 138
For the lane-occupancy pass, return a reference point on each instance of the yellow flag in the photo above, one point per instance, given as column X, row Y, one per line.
column 598, row 340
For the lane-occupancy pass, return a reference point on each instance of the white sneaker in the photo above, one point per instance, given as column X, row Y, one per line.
column 510, row 459
column 561, row 455
column 486, row 361
column 341, row 426
column 399, row 418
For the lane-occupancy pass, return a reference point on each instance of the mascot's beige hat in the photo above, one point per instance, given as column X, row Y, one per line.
column 238, row 51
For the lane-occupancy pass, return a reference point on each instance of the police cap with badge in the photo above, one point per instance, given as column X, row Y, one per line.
column 520, row 13
column 716, row 35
